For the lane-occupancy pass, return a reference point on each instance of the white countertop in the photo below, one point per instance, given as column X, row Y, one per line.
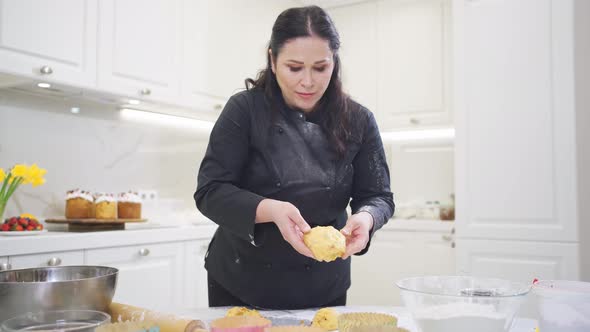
column 148, row 232
column 404, row 318
column 419, row 225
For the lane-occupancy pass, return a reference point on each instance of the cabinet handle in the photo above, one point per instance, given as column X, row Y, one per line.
column 145, row 92
column 414, row 121
column 144, row 251
column 217, row 107
column 447, row 238
column 5, row 267
column 54, row 261
column 453, row 244
column 46, row 70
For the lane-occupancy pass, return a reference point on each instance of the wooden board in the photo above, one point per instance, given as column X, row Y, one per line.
column 94, row 225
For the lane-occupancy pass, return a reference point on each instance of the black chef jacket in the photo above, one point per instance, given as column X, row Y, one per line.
column 258, row 152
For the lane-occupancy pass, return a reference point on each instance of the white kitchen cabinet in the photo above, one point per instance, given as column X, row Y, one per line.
column 518, row 205
column 150, row 275
column 396, row 60
column 49, row 40
column 140, row 48
column 357, row 27
column 47, row 259
column 395, row 254
column 517, row 260
column 235, row 46
column 195, row 282
column 413, row 59
column 516, row 139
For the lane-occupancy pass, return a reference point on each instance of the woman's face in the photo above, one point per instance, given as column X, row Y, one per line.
column 303, row 69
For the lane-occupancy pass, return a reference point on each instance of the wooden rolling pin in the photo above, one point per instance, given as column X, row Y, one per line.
column 166, row 322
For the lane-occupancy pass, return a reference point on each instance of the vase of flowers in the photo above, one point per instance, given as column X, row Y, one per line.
column 17, row 175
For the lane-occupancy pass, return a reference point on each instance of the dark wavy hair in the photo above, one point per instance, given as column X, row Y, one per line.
column 334, row 112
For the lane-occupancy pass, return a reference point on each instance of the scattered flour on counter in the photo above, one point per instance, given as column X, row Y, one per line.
column 461, row 317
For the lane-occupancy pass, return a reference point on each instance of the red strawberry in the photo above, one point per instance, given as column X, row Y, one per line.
column 39, row 227
column 16, row 228
column 12, row 221
column 30, row 228
column 23, row 222
column 5, row 227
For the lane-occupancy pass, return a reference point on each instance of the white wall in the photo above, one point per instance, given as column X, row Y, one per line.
column 582, row 72
column 94, row 150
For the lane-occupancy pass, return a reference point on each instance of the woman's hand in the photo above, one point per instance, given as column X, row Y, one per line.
column 289, row 221
column 356, row 232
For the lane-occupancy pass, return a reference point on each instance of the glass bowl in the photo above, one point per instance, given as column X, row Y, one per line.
column 57, row 320
column 462, row 304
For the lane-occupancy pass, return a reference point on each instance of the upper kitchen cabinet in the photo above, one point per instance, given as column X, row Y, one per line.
column 357, row 27
column 196, row 72
column 413, row 59
column 37, row 42
column 396, row 60
column 140, row 48
column 234, row 47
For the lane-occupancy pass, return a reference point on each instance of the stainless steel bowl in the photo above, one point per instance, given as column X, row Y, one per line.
column 56, row 288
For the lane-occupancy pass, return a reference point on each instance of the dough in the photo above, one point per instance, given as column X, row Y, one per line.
column 326, row 318
column 242, row 311
column 325, row 242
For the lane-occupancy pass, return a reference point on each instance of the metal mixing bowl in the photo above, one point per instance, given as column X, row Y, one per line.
column 56, row 288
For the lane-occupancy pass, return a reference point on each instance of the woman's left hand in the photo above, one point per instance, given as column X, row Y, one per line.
column 356, row 232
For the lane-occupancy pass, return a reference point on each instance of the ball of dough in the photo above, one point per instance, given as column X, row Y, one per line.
column 325, row 242
column 326, row 318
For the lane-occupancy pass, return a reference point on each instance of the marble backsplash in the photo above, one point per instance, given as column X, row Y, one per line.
column 95, row 150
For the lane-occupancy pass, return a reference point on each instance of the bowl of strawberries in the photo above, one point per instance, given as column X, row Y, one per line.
column 25, row 224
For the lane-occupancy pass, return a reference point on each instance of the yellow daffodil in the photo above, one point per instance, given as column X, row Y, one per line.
column 18, row 175
column 20, row 170
column 36, row 175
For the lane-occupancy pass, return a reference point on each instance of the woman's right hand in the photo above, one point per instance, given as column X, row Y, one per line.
column 289, row 221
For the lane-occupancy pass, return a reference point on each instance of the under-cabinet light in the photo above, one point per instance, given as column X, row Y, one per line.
column 165, row 119
column 418, row 135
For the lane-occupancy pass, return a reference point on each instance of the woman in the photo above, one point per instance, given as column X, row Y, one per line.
column 285, row 155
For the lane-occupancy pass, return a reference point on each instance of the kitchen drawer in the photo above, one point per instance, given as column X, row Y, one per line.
column 150, row 275
column 57, row 258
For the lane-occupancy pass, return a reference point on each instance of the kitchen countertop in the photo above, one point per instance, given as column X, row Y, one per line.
column 404, row 318
column 148, row 232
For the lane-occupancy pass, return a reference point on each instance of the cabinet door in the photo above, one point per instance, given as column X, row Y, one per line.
column 515, row 145
column 150, row 275
column 195, row 284
column 357, row 26
column 518, row 260
column 413, row 61
column 139, row 53
column 58, row 36
column 196, row 72
column 233, row 46
column 59, row 258
column 395, row 255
